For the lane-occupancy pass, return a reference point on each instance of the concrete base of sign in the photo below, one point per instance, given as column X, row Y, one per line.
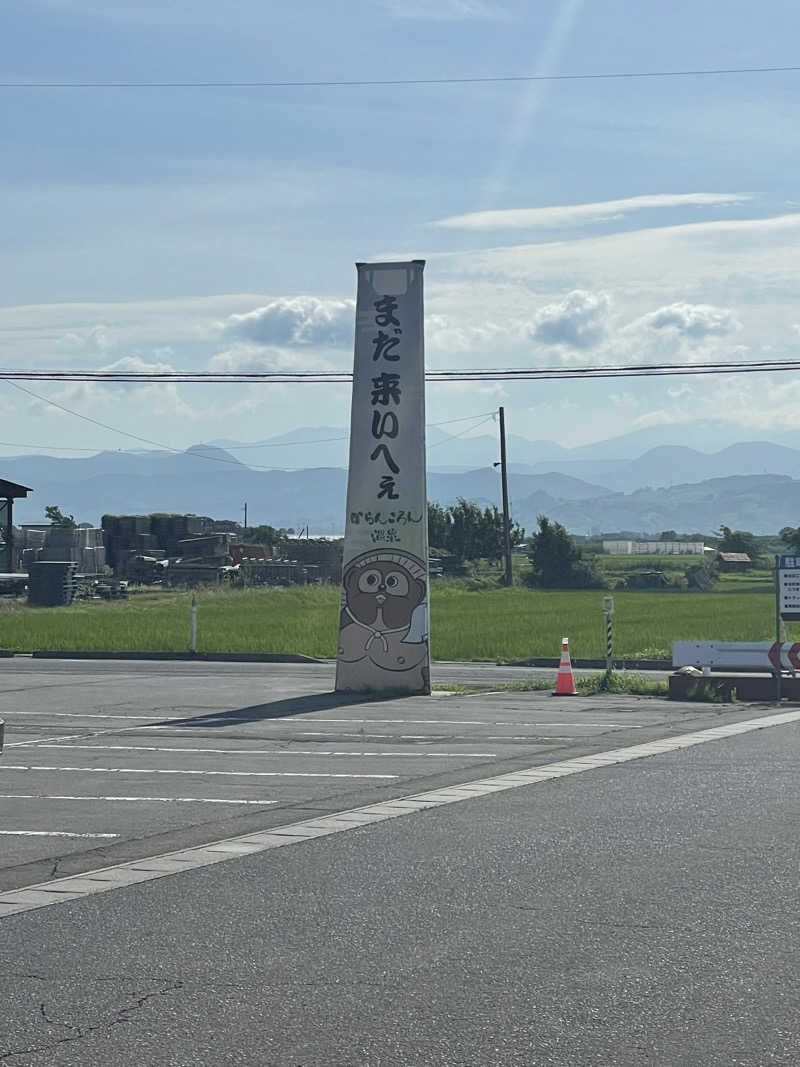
column 755, row 687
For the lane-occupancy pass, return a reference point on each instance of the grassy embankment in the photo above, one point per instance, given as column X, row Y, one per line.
column 488, row 624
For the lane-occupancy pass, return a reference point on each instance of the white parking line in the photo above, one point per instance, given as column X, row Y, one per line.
column 94, row 715
column 43, row 741
column 469, row 722
column 250, row 751
column 532, row 737
column 137, row 800
column 74, row 887
column 49, row 833
column 433, row 738
column 179, row 770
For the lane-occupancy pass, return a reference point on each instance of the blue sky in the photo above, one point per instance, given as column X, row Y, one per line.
column 563, row 222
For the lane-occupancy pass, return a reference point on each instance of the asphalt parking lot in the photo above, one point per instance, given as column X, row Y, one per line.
column 106, row 761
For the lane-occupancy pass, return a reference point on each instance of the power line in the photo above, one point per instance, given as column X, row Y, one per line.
column 488, row 418
column 432, row 375
column 197, row 450
column 372, row 82
column 87, row 418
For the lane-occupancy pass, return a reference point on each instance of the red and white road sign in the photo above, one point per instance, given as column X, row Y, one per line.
column 789, row 656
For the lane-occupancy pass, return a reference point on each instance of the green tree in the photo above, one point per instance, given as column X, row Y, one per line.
column 738, row 541
column 556, row 561
column 469, row 532
column 438, row 526
column 790, row 536
column 263, row 535
column 58, row 518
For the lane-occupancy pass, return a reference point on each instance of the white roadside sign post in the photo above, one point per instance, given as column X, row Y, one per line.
column 787, row 603
column 383, row 626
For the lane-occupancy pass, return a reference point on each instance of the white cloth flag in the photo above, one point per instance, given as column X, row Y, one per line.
column 383, row 627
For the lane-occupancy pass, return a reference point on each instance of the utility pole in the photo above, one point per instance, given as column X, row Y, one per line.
column 504, row 480
column 245, row 515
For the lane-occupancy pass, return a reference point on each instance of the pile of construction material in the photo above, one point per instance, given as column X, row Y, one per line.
column 149, row 537
column 202, row 559
column 172, row 549
column 51, row 584
column 319, row 556
column 80, row 545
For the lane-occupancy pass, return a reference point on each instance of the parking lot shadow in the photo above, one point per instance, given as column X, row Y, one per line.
column 277, row 709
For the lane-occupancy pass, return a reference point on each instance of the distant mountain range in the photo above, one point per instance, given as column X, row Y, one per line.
column 632, row 482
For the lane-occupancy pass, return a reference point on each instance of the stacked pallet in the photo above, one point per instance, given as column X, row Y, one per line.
column 152, row 536
column 82, row 546
column 51, row 584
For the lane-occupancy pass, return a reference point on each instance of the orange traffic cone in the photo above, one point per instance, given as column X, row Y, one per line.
column 565, row 684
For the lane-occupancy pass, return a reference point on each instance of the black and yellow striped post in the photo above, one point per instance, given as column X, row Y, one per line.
column 608, row 611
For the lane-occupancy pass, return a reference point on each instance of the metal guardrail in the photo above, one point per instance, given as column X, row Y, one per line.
column 736, row 655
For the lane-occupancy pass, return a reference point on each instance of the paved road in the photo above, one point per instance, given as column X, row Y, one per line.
column 113, row 760
column 640, row 914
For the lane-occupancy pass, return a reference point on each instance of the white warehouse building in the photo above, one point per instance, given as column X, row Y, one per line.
column 653, row 548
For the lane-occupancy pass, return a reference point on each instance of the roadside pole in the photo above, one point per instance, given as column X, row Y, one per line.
column 506, row 517
column 193, row 630
column 778, row 628
column 608, row 611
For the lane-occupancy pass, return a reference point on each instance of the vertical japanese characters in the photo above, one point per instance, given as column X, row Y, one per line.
column 386, row 391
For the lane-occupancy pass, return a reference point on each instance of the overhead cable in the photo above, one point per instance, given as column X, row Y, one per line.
column 635, row 370
column 338, row 83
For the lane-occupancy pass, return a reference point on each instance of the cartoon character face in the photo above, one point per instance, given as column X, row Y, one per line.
column 383, row 592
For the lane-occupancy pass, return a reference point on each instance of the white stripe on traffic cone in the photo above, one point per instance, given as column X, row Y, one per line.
column 565, row 683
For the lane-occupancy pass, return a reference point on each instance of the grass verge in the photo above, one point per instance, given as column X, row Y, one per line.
column 492, row 624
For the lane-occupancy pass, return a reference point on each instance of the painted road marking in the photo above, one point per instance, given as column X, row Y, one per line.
column 49, row 833
column 247, row 751
column 43, row 741
column 72, row 888
column 469, row 722
column 224, row 717
column 178, row 770
column 94, row 715
column 434, row 738
column 127, row 800
column 532, row 737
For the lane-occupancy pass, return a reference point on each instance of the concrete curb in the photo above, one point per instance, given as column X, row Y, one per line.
column 597, row 664
column 206, row 657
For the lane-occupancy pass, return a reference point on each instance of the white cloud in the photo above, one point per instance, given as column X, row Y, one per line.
column 693, row 320
column 92, row 340
column 578, row 321
column 580, row 214
column 446, row 334
column 299, row 320
column 249, row 358
column 446, row 10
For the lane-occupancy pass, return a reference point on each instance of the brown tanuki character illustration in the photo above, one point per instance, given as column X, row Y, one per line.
column 383, row 635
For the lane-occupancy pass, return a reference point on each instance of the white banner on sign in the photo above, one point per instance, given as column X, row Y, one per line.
column 383, row 627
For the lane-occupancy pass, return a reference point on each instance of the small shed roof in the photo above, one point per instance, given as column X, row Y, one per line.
column 735, row 557
column 12, row 490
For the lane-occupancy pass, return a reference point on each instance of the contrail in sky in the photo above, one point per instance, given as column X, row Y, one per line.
column 532, row 97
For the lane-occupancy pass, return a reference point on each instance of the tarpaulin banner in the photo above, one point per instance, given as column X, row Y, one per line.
column 383, row 628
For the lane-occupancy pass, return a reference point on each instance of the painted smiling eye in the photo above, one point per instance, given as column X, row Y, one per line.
column 369, row 581
column 396, row 584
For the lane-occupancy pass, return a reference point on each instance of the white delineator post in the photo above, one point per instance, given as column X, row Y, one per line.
column 383, row 626
column 193, row 626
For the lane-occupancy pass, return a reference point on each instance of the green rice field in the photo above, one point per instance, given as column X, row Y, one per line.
column 487, row 624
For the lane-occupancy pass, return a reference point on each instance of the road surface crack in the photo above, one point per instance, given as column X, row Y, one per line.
column 78, row 1032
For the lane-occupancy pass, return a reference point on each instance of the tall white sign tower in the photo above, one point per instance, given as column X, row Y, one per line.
column 383, row 626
